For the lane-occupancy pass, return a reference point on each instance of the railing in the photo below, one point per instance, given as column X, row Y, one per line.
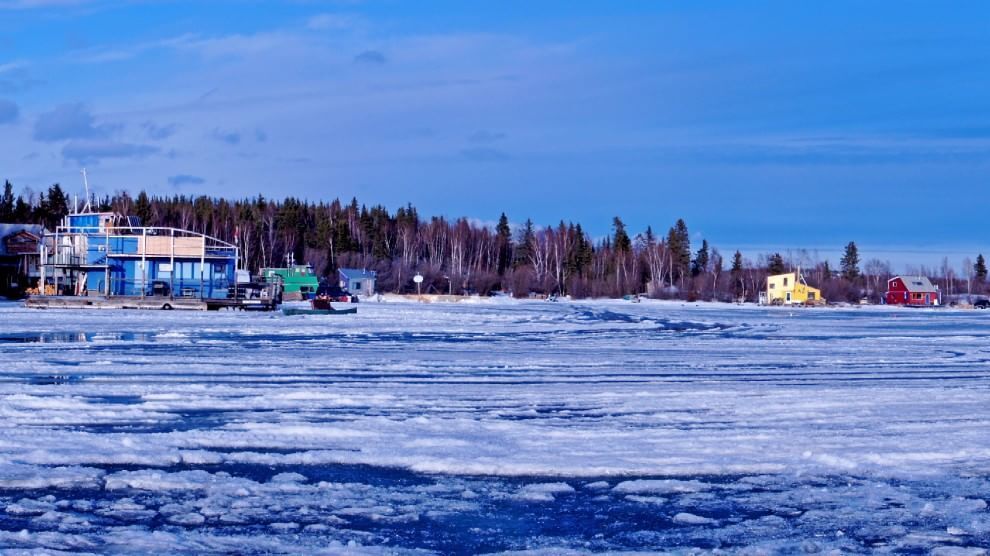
column 184, row 288
column 139, row 231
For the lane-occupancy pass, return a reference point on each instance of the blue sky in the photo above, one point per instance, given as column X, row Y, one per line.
column 765, row 125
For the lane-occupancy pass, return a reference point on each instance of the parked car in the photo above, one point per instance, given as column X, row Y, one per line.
column 982, row 304
column 159, row 288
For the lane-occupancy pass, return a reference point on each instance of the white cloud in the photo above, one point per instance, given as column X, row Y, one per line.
column 119, row 53
column 327, row 22
column 12, row 66
column 92, row 151
column 9, row 111
column 31, row 4
column 185, row 179
column 304, row 93
column 67, row 121
column 372, row 57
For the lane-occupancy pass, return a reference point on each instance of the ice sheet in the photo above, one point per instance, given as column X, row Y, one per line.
column 695, row 426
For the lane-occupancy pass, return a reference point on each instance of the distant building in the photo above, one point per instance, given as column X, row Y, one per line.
column 19, row 258
column 790, row 289
column 110, row 255
column 357, row 280
column 912, row 290
column 298, row 281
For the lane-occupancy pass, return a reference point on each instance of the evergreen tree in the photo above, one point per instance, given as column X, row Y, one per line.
column 58, row 203
column 583, row 252
column 701, row 259
column 503, row 243
column 524, row 248
column 39, row 213
column 142, row 208
column 342, row 239
column 649, row 238
column 737, row 264
column 850, row 262
column 336, row 234
column 621, row 241
column 737, row 274
column 775, row 265
column 7, row 203
column 22, row 211
column 679, row 245
column 980, row 269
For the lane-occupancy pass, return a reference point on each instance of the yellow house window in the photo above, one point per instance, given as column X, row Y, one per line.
column 785, row 281
column 772, row 285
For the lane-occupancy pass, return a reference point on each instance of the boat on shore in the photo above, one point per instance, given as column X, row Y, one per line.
column 318, row 306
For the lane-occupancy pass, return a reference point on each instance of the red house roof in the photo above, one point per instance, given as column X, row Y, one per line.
column 914, row 284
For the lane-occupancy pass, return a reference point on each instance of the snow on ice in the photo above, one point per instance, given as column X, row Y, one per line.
column 496, row 427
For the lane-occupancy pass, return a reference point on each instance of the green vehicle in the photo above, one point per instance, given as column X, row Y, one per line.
column 299, row 281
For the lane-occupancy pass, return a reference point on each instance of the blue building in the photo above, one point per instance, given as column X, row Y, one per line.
column 357, row 280
column 108, row 255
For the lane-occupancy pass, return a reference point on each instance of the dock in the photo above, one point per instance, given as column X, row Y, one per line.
column 146, row 303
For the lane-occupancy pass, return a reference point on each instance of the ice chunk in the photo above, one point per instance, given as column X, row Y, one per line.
column 661, row 486
column 692, row 519
column 542, row 492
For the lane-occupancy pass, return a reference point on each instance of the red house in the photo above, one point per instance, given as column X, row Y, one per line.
column 912, row 290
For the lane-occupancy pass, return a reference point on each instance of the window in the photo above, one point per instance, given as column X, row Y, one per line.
column 772, row 285
column 785, row 281
column 357, row 285
column 186, row 270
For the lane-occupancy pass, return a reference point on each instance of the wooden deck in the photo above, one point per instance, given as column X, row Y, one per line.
column 146, row 303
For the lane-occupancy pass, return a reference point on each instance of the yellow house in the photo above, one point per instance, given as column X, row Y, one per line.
column 791, row 289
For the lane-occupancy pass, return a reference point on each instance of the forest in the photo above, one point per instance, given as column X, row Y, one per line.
column 461, row 256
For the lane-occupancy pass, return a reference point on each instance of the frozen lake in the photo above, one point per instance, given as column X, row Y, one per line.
column 473, row 428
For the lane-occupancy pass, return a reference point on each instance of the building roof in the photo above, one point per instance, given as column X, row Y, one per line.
column 9, row 229
column 354, row 273
column 916, row 284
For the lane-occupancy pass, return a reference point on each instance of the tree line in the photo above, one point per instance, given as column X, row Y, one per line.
column 460, row 255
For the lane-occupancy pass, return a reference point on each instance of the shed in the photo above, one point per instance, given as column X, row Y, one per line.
column 357, row 280
column 912, row 290
column 19, row 257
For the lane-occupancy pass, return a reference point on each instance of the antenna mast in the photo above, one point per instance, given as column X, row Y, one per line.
column 86, row 206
